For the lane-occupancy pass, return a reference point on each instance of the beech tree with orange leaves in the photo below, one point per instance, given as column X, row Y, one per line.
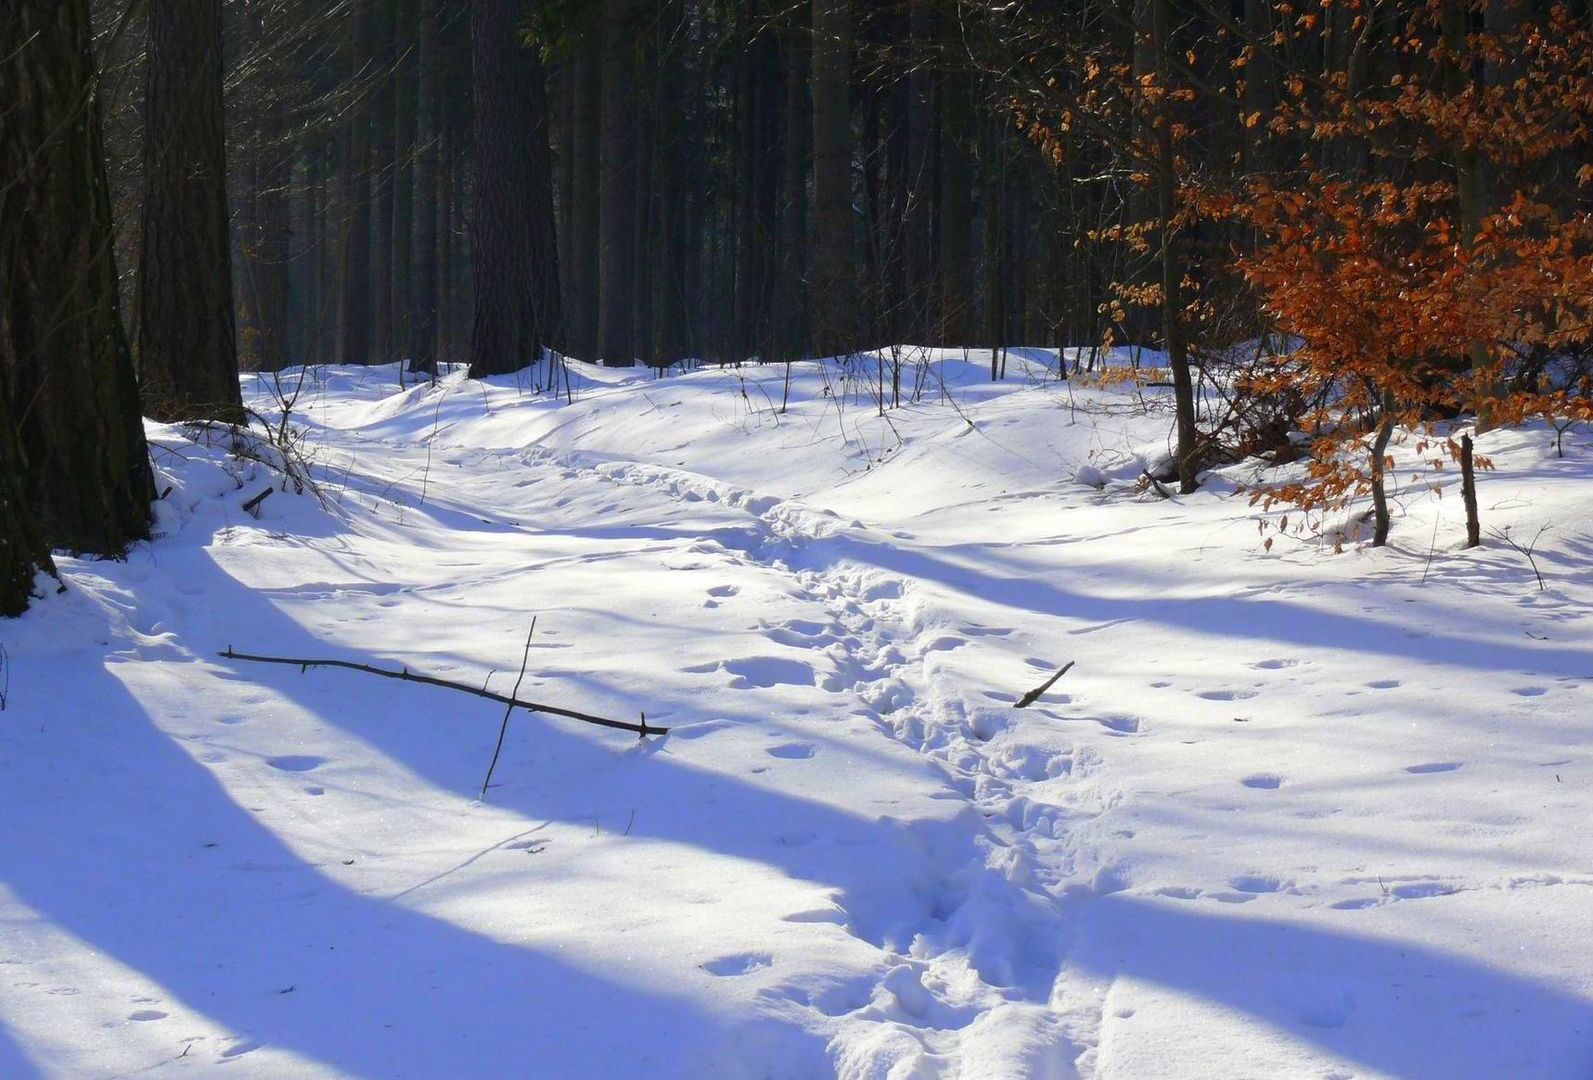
column 1418, row 257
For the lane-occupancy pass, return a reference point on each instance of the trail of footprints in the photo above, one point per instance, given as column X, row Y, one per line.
column 869, row 649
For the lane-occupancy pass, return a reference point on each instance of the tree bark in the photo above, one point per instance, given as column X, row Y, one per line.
column 585, row 142
column 23, row 552
column 404, row 112
column 511, row 239
column 1172, row 264
column 187, row 351
column 64, row 357
column 833, row 279
column 354, row 271
column 617, row 190
column 423, row 283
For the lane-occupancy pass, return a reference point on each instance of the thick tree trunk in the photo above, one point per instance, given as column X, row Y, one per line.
column 383, row 171
column 955, row 271
column 793, row 304
column 582, row 220
column 513, row 260
column 23, row 552
column 64, row 357
column 617, row 190
column 187, row 355
column 918, row 210
column 354, row 271
column 423, row 282
column 404, row 111
column 834, row 283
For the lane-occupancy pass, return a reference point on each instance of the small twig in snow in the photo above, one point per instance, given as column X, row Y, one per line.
column 503, row 728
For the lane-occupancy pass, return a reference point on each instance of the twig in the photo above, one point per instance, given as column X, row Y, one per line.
column 254, row 504
column 1504, row 534
column 1034, row 695
column 642, row 730
column 503, row 729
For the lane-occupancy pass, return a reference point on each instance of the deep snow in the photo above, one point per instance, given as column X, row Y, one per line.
column 1291, row 814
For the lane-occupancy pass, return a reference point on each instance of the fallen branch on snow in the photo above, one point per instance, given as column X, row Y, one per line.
column 642, row 729
column 1034, row 695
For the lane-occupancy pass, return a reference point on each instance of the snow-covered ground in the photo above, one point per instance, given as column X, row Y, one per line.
column 1291, row 814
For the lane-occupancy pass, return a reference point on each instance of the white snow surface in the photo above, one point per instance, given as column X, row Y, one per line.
column 1292, row 814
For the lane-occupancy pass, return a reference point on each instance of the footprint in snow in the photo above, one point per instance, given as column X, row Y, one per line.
column 1120, row 725
column 1264, row 781
column 1258, row 883
column 296, row 762
column 766, row 671
column 792, row 751
column 1529, row 691
column 145, row 1015
column 1226, row 695
column 1275, row 665
column 1434, row 767
column 1382, row 684
column 738, row 963
column 722, row 591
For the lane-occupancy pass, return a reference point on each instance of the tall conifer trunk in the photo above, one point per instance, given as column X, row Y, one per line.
column 64, row 358
column 833, row 279
column 187, row 355
column 514, row 264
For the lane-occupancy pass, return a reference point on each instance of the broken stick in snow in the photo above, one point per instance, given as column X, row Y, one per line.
column 642, row 729
column 253, row 505
column 1034, row 695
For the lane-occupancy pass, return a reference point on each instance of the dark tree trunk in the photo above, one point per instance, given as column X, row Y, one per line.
column 354, row 271
column 423, row 284
column 582, row 219
column 383, row 168
column 514, row 265
column 955, row 270
column 919, row 181
column 793, row 304
column 833, row 279
column 187, row 355
column 617, row 190
column 23, row 552
column 404, row 111
column 64, row 357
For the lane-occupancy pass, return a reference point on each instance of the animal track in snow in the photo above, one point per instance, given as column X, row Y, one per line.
column 1259, row 883
column 296, row 762
column 1275, row 665
column 1382, row 684
column 766, row 671
column 1529, row 691
column 146, row 1015
column 738, row 963
column 1434, row 767
column 1226, row 695
column 792, row 751
column 1264, row 781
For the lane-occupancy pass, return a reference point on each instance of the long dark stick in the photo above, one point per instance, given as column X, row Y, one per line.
column 503, row 728
column 642, row 729
column 1033, row 695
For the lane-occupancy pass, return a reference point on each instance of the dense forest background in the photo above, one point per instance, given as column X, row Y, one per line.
column 1381, row 204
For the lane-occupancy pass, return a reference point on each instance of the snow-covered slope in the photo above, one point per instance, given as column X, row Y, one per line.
column 1291, row 814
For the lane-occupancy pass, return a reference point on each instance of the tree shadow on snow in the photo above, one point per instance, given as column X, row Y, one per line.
column 164, row 872
column 1399, row 1008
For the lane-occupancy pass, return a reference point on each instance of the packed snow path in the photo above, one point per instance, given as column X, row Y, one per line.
column 1290, row 815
